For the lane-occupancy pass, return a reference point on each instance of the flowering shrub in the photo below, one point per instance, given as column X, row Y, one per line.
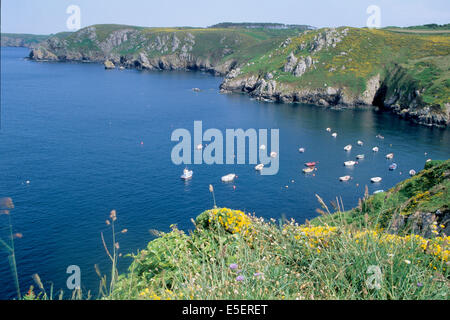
column 315, row 237
column 233, row 221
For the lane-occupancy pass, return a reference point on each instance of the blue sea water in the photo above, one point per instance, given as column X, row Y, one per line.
column 74, row 131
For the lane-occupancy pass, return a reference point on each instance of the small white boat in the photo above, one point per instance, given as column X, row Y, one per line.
column 229, row 177
column 428, row 160
column 378, row 191
column 348, row 147
column 309, row 170
column 301, row 150
column 379, row 136
column 199, row 147
column 389, row 156
column 350, row 163
column 273, row 154
column 121, row 68
column 375, row 149
column 412, row 172
column 360, row 143
column 360, row 156
column 187, row 174
column 329, row 129
column 334, row 135
column 345, row 178
column 259, row 167
column 375, row 179
column 262, row 147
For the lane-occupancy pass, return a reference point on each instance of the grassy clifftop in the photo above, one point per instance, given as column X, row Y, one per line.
column 345, row 255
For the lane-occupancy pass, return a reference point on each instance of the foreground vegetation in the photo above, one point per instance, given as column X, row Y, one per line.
column 344, row 255
column 393, row 245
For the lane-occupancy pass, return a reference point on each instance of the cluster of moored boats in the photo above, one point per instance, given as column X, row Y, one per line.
column 187, row 174
column 311, row 166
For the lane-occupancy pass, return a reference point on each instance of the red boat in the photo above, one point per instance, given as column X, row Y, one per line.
column 311, row 164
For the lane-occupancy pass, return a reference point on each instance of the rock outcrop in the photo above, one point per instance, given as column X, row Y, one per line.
column 263, row 88
column 406, row 100
column 109, row 64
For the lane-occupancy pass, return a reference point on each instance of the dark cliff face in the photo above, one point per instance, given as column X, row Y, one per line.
column 403, row 96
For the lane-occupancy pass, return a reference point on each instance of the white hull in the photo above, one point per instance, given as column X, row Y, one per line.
column 259, row 167
column 229, row 177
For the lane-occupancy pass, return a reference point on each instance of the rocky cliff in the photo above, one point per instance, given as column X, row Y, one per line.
column 211, row 50
column 405, row 74
column 350, row 67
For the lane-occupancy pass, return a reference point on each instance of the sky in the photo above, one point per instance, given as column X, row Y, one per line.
column 49, row 16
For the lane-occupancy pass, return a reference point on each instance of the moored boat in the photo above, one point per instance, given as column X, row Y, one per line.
column 187, row 174
column 360, row 156
column 360, row 143
column 334, row 134
column 301, row 150
column 311, row 164
column 375, row 149
column 389, row 156
column 393, row 166
column 229, row 177
column 259, row 167
column 273, row 154
column 345, row 178
column 412, row 172
column 348, row 147
column 350, row 163
column 309, row 170
column 376, row 179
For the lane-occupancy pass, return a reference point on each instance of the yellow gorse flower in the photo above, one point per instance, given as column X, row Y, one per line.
column 234, row 221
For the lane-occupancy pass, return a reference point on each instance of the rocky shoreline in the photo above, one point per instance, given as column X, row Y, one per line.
column 176, row 53
column 266, row 89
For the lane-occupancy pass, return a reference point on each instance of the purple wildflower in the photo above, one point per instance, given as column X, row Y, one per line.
column 240, row 278
column 258, row 274
column 419, row 284
column 233, row 266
